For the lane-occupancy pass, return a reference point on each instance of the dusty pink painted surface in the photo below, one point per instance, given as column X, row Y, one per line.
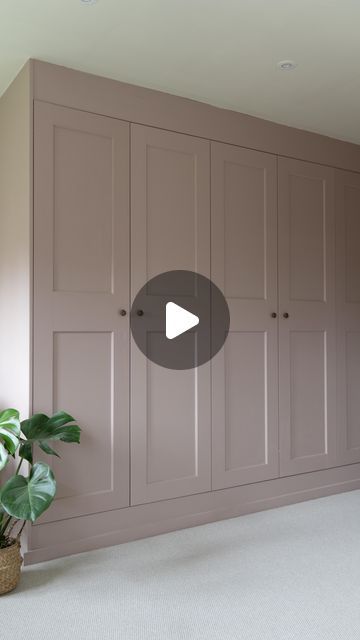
column 244, row 266
column 87, row 92
column 81, row 281
column 95, row 142
column 348, row 314
column 307, row 352
column 170, row 229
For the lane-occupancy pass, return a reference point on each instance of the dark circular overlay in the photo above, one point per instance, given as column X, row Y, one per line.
column 194, row 293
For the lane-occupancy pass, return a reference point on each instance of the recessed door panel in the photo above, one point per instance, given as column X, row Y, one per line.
column 307, row 393
column 245, row 420
column 307, row 229
column 348, row 315
column 170, row 211
column 83, row 210
column 82, row 365
column 170, row 230
column 352, row 242
column 307, row 406
column 352, row 389
column 244, row 266
column 81, row 280
column 244, row 232
column 171, row 450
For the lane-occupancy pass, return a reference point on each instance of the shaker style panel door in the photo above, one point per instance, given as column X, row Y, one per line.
column 81, row 280
column 348, row 315
column 244, row 267
column 170, row 230
column 307, row 358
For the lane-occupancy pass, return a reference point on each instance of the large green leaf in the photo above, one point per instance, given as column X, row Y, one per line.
column 28, row 498
column 26, row 451
column 47, row 449
column 10, row 440
column 32, row 425
column 11, row 420
column 9, row 434
column 4, row 456
column 41, row 429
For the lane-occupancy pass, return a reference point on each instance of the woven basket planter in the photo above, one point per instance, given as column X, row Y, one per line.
column 10, row 565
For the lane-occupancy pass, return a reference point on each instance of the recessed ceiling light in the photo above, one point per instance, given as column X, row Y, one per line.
column 88, row 1
column 287, row 65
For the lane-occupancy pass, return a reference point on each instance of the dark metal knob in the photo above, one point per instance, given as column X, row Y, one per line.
column 274, row 315
column 286, row 315
column 139, row 312
column 123, row 312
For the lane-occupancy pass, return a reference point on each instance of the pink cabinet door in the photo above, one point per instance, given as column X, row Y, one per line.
column 81, row 280
column 348, row 315
column 244, row 267
column 170, row 229
column 307, row 358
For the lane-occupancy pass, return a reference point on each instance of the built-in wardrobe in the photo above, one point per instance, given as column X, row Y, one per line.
column 126, row 183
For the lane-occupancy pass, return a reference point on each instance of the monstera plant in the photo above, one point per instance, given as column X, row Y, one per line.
column 24, row 497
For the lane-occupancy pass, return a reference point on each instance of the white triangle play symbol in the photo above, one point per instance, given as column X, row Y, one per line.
column 178, row 320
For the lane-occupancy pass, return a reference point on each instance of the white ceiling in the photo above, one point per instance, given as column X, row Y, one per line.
column 223, row 52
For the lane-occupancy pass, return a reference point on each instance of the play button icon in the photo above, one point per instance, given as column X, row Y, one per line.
column 179, row 319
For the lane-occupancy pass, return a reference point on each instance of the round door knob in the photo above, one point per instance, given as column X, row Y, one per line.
column 274, row 315
column 139, row 312
column 123, row 312
column 286, row 315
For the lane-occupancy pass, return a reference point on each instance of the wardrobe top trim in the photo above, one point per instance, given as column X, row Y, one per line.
column 87, row 92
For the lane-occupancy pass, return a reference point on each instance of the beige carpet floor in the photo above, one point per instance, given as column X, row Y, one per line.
column 291, row 573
